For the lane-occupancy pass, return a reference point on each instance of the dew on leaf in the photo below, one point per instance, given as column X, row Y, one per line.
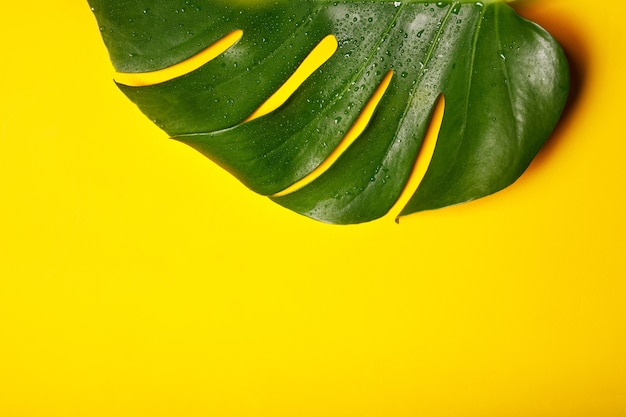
column 370, row 48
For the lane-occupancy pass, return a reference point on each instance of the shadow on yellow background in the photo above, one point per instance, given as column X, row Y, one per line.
column 138, row 279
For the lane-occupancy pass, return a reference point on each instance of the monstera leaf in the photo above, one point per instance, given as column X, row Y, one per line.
column 503, row 79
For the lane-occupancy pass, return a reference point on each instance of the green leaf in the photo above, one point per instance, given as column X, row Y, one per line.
column 504, row 80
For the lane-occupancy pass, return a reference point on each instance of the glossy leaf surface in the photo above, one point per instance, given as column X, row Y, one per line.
column 504, row 80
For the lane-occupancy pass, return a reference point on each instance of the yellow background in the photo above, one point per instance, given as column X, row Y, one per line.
column 138, row 279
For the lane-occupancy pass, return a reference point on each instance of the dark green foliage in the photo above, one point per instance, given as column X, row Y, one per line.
column 504, row 79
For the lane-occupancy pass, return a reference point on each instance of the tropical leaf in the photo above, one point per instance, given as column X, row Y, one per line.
column 504, row 81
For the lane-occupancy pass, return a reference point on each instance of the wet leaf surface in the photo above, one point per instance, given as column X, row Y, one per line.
column 504, row 81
